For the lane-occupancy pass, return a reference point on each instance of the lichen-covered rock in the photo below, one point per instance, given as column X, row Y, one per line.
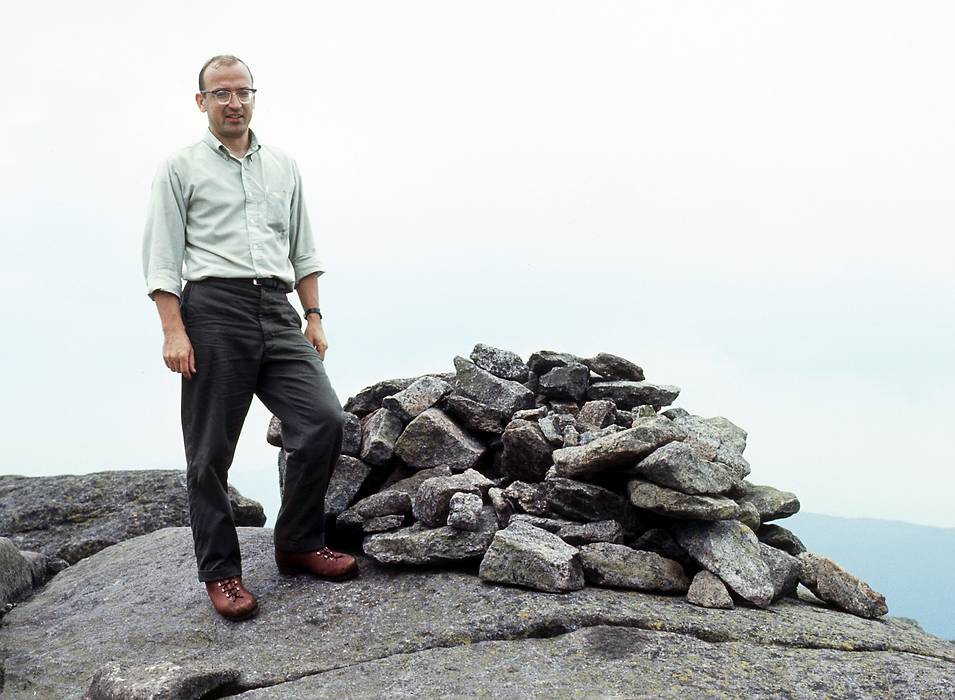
column 730, row 550
column 614, row 451
column 676, row 504
column 770, row 503
column 503, row 508
column 748, row 515
column 409, row 484
column 369, row 399
column 273, row 435
column 474, row 415
column 707, row 591
column 16, row 576
column 612, row 367
column 578, row 500
column 716, row 439
column 501, row 363
column 784, row 570
column 550, row 524
column 595, row 415
column 660, row 541
column 677, row 465
column 607, row 564
column 524, row 555
column 528, row 498
column 421, row 395
column 527, row 454
column 780, row 538
column 420, row 544
column 627, row 395
column 482, row 386
column 433, row 498
column 432, row 439
column 379, row 432
column 344, row 484
column 162, row 680
column 39, row 567
column 830, row 582
column 351, row 435
column 579, row 534
column 568, row 382
column 464, row 511
column 543, row 361
column 387, row 502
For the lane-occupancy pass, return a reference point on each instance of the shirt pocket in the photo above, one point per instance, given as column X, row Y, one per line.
column 279, row 211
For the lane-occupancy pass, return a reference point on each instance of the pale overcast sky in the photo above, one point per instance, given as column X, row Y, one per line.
column 751, row 200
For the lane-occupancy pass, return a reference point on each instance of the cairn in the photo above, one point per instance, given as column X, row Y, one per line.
column 564, row 471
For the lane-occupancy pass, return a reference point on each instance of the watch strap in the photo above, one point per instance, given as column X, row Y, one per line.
column 313, row 310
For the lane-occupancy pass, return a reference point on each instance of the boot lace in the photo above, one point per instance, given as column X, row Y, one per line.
column 329, row 554
column 231, row 587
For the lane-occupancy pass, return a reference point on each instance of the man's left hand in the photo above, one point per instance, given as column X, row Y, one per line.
column 316, row 335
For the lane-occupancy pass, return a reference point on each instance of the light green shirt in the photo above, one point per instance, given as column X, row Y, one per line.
column 214, row 215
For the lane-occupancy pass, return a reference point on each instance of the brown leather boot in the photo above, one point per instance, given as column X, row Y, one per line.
column 231, row 599
column 324, row 563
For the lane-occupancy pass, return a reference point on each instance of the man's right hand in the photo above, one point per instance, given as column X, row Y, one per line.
column 178, row 355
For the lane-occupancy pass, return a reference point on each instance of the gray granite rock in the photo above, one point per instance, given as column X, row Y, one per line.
column 351, row 437
column 524, row 555
column 784, row 570
column 501, row 363
column 420, row 395
column 707, row 591
column 369, row 399
column 749, row 516
column 379, row 433
column 473, row 415
column 716, row 439
column 16, row 575
column 527, row 454
column 410, row 483
column 528, row 498
column 433, row 439
column 676, row 504
column 614, row 451
column 677, row 465
column 578, row 500
column 39, row 567
column 482, row 386
column 833, row 584
column 530, row 413
column 627, row 395
column 571, row 437
column 433, row 498
column 554, row 427
column 464, row 511
column 730, row 550
column 595, row 415
column 579, row 534
column 660, row 541
column 591, row 435
column 780, row 538
column 612, row 367
column 387, row 502
column 383, row 523
column 607, row 564
column 543, row 361
column 770, row 503
column 161, row 681
column 344, row 484
column 568, row 382
column 558, row 406
column 75, row 515
column 273, row 435
column 503, row 508
column 421, row 545
column 433, row 632
column 554, row 525
column 624, row 418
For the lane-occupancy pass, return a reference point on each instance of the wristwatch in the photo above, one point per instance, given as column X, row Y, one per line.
column 313, row 310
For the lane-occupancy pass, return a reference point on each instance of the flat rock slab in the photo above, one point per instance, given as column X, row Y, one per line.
column 622, row 662
column 88, row 616
column 75, row 515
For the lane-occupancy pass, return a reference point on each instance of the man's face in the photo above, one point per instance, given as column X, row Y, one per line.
column 229, row 121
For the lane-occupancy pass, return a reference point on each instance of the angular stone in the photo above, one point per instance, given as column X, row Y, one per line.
column 780, row 538
column 675, row 413
column 624, row 418
column 382, row 523
column 421, row 395
column 351, row 438
column 749, row 516
column 676, row 504
column 527, row 454
column 568, row 382
column 627, row 395
column 708, row 591
column 160, row 680
column 380, row 431
column 591, row 435
column 369, row 399
column 528, row 498
column 730, row 550
column 660, row 541
column 420, row 544
column 432, row 439
column 16, row 576
column 501, row 363
column 554, row 525
column 524, row 555
column 502, row 507
column 273, row 435
column 543, row 361
column 564, row 407
column 346, row 480
column 578, row 534
column 770, row 503
column 716, row 439
column 531, row 413
column 387, row 502
column 473, row 415
column 39, row 567
column 410, row 484
column 433, row 498
column 464, row 511
column 571, row 438
column 607, row 564
column 644, row 411
column 595, row 415
column 678, row 466
column 784, row 570
column 577, row 500
column 554, row 425
column 830, row 582
column 613, row 367
column 480, row 385
column 617, row 450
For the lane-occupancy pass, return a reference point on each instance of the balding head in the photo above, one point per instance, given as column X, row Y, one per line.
column 217, row 61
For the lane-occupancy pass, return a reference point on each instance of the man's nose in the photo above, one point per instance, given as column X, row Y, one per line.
column 233, row 96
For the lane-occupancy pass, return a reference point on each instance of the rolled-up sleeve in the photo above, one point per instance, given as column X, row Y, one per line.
column 164, row 240
column 302, row 253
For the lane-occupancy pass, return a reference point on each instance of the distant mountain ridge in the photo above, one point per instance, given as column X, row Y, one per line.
column 912, row 565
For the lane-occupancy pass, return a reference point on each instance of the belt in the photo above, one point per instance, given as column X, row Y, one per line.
column 268, row 282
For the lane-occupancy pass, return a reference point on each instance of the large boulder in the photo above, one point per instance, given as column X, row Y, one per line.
column 616, row 450
column 524, row 555
column 75, row 515
column 502, row 394
column 379, row 432
column 677, row 465
column 432, row 439
column 421, row 395
column 830, row 582
column 607, row 564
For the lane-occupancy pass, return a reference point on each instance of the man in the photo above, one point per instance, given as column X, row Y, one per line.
column 232, row 210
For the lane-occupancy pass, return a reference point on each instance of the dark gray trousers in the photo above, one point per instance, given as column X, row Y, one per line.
column 248, row 340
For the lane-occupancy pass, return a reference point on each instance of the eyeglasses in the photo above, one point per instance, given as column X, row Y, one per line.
column 224, row 97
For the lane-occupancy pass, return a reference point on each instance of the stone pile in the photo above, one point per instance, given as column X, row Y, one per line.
column 564, row 471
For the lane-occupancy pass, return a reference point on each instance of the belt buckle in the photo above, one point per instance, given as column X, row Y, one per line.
column 256, row 281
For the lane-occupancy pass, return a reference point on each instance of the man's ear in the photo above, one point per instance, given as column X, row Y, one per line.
column 200, row 102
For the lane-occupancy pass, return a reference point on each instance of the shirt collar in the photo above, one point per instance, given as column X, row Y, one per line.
column 216, row 145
